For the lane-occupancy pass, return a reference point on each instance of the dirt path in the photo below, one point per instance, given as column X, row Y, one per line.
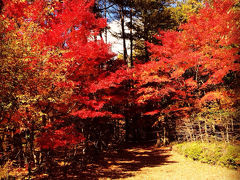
column 160, row 164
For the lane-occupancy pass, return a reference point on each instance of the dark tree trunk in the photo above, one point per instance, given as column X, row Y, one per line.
column 145, row 36
column 123, row 33
column 131, row 39
column 105, row 16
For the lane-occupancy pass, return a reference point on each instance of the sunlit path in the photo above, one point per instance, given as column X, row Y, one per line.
column 161, row 163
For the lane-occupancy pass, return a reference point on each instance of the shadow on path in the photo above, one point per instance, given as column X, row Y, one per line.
column 122, row 163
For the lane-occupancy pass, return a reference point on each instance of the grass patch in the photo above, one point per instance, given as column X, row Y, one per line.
column 218, row 153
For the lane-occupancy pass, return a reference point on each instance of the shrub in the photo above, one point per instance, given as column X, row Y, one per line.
column 230, row 157
column 213, row 153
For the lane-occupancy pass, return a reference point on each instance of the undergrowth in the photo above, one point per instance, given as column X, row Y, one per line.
column 218, row 153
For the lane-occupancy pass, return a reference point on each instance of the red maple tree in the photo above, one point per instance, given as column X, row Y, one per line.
column 192, row 62
column 66, row 58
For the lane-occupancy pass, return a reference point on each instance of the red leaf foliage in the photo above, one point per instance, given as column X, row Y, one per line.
column 191, row 60
column 63, row 137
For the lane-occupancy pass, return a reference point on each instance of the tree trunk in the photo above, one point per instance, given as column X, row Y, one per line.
column 105, row 16
column 227, row 133
column 223, row 136
column 158, row 143
column 206, row 133
column 190, row 133
column 145, row 37
column 126, row 128
column 200, row 132
column 123, row 33
column 214, row 131
column 131, row 39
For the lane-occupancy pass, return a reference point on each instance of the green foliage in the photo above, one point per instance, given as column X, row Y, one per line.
column 215, row 114
column 231, row 156
column 184, row 9
column 149, row 16
column 193, row 150
column 212, row 153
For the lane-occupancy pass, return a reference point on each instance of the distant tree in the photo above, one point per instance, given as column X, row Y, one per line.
column 149, row 17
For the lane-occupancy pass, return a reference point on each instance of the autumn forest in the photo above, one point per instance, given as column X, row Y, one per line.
column 67, row 100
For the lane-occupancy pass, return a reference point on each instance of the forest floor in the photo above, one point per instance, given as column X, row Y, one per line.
column 150, row 163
